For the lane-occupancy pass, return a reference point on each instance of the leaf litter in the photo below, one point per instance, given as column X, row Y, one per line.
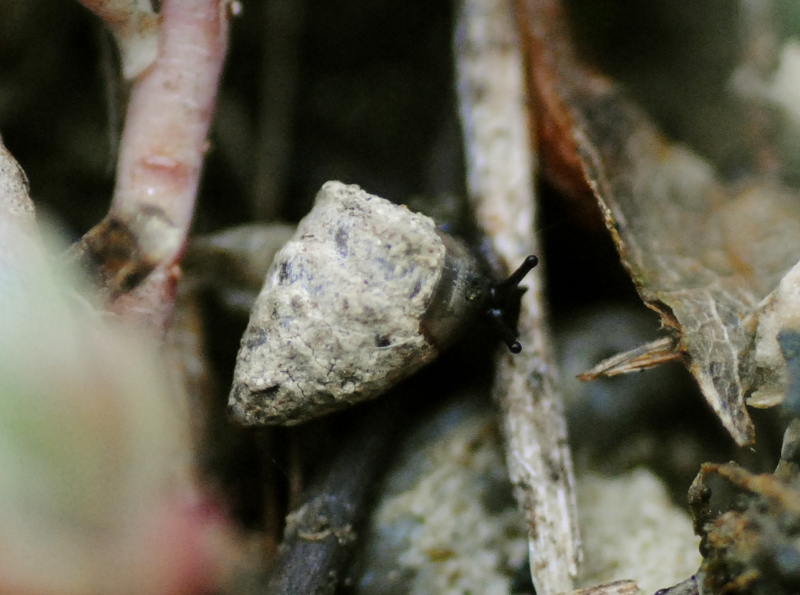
column 702, row 252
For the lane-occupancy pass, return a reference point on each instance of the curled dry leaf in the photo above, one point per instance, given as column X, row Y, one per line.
column 702, row 254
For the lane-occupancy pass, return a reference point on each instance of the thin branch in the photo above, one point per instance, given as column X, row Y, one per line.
column 493, row 103
column 161, row 156
column 321, row 534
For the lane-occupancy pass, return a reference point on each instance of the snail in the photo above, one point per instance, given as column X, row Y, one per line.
column 364, row 294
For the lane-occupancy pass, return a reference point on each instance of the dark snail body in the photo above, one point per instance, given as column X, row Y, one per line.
column 465, row 292
column 364, row 294
column 459, row 295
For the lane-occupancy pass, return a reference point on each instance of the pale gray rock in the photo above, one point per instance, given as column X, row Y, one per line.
column 364, row 294
column 445, row 521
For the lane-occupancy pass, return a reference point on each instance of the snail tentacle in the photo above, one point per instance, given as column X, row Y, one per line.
column 503, row 304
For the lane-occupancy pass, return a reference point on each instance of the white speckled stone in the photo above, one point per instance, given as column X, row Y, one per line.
column 339, row 317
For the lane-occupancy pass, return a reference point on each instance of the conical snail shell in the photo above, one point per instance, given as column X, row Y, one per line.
column 364, row 294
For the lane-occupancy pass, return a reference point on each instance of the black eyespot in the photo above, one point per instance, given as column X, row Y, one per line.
column 503, row 304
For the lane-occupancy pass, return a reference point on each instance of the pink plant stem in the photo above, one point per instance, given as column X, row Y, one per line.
column 164, row 143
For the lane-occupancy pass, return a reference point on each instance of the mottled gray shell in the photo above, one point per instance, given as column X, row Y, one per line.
column 363, row 295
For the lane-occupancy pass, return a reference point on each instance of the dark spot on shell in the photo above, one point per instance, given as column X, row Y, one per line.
column 382, row 341
column 416, row 290
column 267, row 393
column 327, row 398
column 285, row 272
column 341, row 237
column 715, row 369
column 256, row 338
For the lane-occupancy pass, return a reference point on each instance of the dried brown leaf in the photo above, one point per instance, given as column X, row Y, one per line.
column 701, row 254
column 645, row 356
